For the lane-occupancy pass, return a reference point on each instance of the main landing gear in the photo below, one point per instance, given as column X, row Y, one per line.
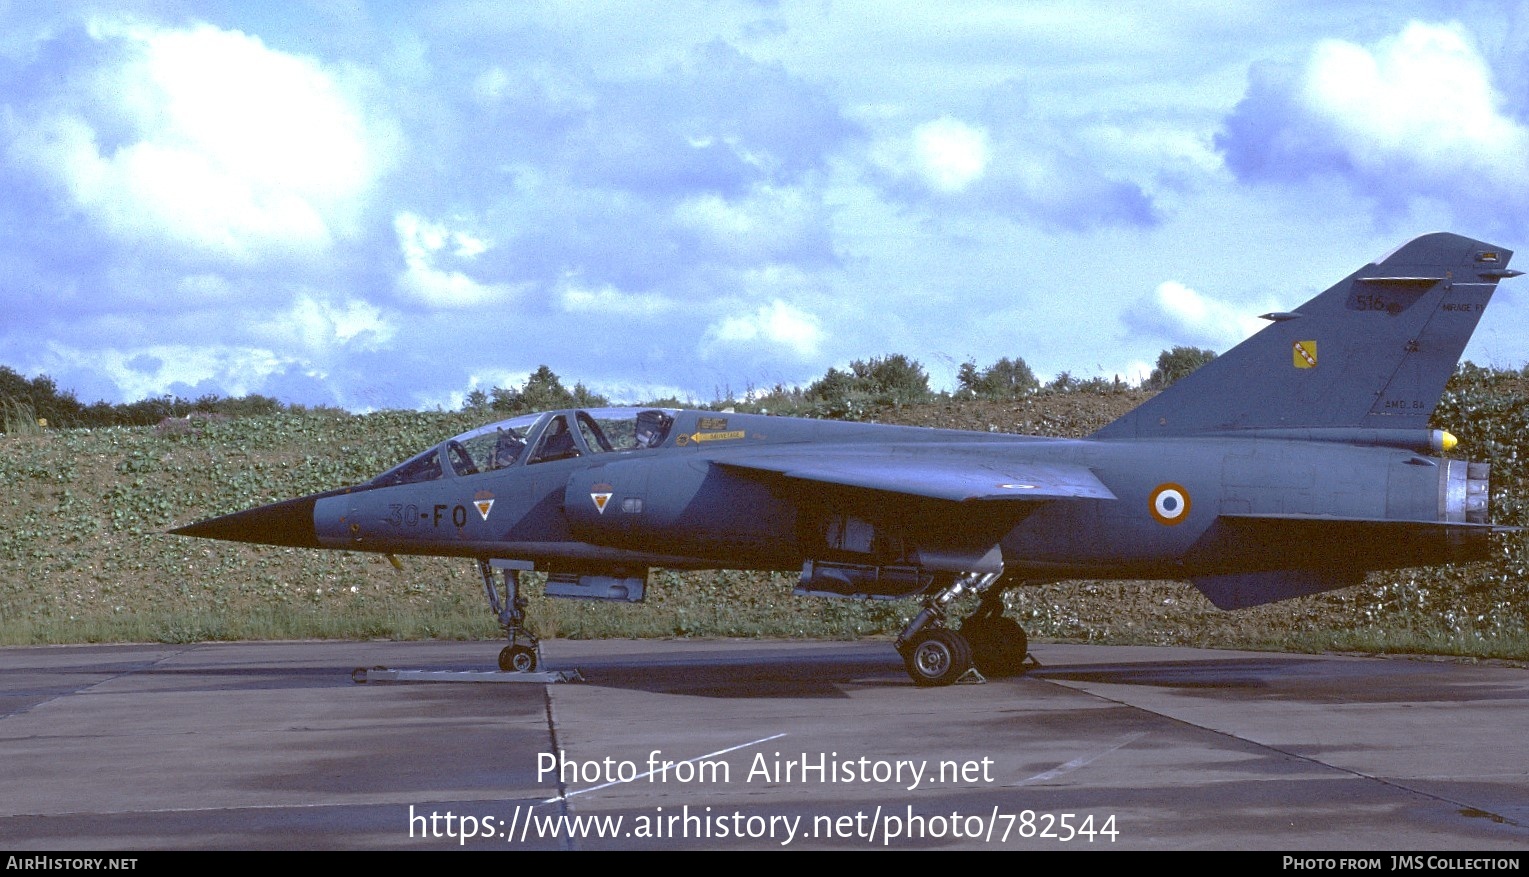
column 523, row 653
column 987, row 644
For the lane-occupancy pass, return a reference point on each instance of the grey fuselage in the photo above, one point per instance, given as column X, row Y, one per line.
column 680, row 504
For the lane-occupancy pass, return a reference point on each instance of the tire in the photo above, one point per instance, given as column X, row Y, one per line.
column 938, row 657
column 999, row 645
column 517, row 659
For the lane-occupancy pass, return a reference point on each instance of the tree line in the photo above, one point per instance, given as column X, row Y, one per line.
column 28, row 404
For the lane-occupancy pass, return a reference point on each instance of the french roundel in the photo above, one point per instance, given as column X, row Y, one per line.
column 1170, row 504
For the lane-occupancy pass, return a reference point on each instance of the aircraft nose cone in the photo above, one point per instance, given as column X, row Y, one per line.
column 284, row 523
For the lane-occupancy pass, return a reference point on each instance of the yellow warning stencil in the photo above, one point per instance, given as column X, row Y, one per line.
column 718, row 436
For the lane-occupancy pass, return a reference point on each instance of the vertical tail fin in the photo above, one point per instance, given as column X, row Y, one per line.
column 1372, row 352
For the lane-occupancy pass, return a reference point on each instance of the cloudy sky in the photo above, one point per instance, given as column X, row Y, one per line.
column 387, row 204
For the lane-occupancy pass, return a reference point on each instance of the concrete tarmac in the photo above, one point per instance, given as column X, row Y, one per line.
column 757, row 745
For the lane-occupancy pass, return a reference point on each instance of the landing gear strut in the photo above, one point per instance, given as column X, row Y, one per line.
column 524, row 651
column 988, row 644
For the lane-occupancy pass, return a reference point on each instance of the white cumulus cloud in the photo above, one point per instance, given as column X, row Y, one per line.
column 320, row 325
column 1181, row 315
column 767, row 223
column 1417, row 114
column 945, row 155
column 950, row 154
column 610, row 301
column 209, row 138
column 776, row 324
column 424, row 244
column 1425, row 95
column 146, row 372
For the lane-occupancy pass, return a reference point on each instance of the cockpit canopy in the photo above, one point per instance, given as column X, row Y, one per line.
column 535, row 438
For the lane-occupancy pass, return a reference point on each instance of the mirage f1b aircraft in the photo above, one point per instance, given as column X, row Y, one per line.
column 1295, row 463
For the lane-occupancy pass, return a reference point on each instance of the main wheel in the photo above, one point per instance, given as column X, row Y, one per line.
column 999, row 645
column 937, row 656
column 517, row 659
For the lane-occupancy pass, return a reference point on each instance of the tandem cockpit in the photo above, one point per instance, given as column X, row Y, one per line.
column 535, row 438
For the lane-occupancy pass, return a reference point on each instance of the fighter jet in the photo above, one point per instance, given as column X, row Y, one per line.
column 1294, row 464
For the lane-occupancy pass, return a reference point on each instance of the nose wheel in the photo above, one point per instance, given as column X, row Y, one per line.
column 523, row 654
column 517, row 659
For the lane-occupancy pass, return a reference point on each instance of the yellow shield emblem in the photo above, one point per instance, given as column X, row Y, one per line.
column 1305, row 354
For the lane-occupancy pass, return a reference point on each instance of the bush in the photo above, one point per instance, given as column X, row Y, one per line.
column 1004, row 379
column 882, row 380
column 1176, row 363
column 542, row 391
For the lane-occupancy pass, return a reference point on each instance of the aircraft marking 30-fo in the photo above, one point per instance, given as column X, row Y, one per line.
column 1293, row 464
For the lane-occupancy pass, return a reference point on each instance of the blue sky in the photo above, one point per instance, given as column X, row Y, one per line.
column 389, row 204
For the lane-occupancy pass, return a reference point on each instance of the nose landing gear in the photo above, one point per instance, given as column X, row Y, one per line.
column 523, row 654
